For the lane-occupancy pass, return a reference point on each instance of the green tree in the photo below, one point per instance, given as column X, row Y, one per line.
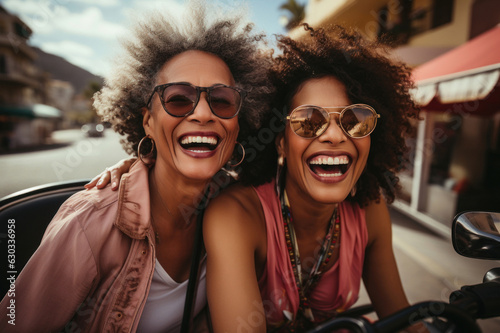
column 296, row 13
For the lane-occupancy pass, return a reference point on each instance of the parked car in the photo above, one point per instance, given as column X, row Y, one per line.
column 93, row 130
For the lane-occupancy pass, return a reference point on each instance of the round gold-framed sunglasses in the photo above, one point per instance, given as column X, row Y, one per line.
column 310, row 121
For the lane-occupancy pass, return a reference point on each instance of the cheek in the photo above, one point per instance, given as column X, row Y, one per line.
column 294, row 148
column 164, row 127
column 232, row 129
column 363, row 148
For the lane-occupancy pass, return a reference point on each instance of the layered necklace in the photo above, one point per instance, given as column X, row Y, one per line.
column 305, row 286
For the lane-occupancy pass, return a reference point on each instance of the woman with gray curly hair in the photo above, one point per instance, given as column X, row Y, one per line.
column 183, row 94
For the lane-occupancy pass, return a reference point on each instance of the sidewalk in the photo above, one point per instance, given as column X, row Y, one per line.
column 429, row 267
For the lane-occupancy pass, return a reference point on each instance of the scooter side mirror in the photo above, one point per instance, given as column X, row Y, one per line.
column 477, row 235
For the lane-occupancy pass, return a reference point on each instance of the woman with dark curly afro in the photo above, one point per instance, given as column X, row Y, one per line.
column 183, row 93
column 289, row 251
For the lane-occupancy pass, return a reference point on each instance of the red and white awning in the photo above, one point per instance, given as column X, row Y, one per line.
column 468, row 73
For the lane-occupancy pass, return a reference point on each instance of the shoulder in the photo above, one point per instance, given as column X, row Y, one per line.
column 378, row 221
column 89, row 202
column 235, row 211
column 237, row 199
column 88, row 215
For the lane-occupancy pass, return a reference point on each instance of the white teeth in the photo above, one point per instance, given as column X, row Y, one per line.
column 337, row 174
column 337, row 160
column 199, row 139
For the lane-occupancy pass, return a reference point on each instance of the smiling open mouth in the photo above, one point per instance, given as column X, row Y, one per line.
column 329, row 166
column 199, row 143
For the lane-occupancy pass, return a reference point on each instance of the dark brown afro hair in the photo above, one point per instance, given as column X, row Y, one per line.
column 369, row 77
column 157, row 38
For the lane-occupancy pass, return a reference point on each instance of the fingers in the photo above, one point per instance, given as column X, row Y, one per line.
column 93, row 182
column 100, row 181
column 111, row 175
column 105, row 179
column 117, row 170
column 115, row 177
column 120, row 168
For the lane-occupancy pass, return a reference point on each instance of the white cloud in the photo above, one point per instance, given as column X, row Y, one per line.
column 173, row 7
column 49, row 17
column 78, row 54
column 89, row 22
column 30, row 5
column 67, row 48
column 102, row 3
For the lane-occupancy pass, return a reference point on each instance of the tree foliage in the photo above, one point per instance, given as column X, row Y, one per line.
column 296, row 13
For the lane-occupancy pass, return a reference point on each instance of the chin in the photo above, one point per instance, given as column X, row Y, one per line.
column 329, row 194
column 330, row 198
column 200, row 172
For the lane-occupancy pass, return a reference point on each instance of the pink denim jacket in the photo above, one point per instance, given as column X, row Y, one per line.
column 93, row 269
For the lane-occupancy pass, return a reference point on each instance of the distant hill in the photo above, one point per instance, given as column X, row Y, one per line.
column 61, row 69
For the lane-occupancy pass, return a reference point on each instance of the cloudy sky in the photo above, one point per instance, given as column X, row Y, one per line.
column 85, row 32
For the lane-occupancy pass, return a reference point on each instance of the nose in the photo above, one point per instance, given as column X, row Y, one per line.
column 202, row 112
column 333, row 133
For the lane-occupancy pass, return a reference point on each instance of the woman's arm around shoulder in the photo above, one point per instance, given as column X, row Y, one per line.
column 235, row 238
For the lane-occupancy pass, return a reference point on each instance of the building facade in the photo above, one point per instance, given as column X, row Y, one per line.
column 25, row 120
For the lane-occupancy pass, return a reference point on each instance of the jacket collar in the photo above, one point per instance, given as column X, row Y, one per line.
column 133, row 216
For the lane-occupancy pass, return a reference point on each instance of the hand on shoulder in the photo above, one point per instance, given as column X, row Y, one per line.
column 112, row 174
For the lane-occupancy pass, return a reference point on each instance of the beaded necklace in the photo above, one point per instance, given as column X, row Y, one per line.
column 331, row 238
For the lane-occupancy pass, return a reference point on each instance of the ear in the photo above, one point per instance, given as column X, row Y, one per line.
column 147, row 121
column 280, row 144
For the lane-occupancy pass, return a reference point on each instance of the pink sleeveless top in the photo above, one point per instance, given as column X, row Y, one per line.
column 336, row 290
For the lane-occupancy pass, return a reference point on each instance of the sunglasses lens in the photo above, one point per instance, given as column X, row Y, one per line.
column 308, row 122
column 358, row 121
column 225, row 102
column 179, row 99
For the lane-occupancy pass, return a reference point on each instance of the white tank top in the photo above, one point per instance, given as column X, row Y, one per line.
column 165, row 304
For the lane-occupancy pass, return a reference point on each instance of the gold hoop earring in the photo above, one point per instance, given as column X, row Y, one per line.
column 148, row 155
column 231, row 166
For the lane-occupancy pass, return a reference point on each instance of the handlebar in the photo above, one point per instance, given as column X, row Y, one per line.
column 411, row 315
column 404, row 318
column 480, row 300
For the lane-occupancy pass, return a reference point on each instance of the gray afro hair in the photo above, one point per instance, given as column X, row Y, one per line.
column 157, row 38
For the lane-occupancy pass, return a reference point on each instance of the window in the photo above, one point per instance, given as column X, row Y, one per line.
column 443, row 13
column 3, row 64
column 21, row 30
column 429, row 14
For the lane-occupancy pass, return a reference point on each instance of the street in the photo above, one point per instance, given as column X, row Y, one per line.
column 429, row 267
column 70, row 156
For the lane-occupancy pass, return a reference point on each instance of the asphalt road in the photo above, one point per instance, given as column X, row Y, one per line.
column 428, row 265
column 69, row 156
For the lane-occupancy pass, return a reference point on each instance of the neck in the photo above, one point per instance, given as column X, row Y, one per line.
column 173, row 201
column 310, row 218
